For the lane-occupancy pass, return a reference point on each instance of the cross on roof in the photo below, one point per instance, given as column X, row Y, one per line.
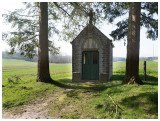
column 90, row 14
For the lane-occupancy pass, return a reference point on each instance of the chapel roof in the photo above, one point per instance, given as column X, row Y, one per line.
column 90, row 28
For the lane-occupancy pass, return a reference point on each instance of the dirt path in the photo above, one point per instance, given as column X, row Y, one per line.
column 36, row 110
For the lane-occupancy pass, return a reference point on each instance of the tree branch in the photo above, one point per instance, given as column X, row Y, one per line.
column 114, row 105
column 79, row 7
column 61, row 8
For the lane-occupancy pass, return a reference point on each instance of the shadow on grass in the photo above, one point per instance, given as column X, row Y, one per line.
column 66, row 84
column 146, row 101
column 115, row 81
column 150, row 80
column 117, row 77
column 93, row 86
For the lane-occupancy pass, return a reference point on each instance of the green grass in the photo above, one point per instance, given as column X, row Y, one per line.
column 81, row 100
column 19, row 85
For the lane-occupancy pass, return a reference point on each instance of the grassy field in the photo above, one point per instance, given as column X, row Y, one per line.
column 81, row 100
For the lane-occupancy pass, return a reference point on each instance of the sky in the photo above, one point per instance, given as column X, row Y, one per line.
column 148, row 48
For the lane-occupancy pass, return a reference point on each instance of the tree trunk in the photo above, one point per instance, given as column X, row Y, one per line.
column 133, row 44
column 43, row 59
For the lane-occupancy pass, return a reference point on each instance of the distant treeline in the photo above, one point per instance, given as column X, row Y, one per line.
column 115, row 59
column 17, row 56
column 52, row 59
column 148, row 58
column 60, row 58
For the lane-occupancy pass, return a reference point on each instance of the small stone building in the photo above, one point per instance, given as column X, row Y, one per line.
column 92, row 56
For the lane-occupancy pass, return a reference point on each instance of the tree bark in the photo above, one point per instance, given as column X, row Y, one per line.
column 43, row 59
column 133, row 44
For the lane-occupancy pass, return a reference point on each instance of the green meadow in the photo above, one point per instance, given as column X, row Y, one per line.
column 81, row 100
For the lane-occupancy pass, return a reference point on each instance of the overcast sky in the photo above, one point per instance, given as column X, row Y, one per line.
column 146, row 45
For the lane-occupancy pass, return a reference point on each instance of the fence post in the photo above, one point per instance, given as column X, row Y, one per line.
column 144, row 70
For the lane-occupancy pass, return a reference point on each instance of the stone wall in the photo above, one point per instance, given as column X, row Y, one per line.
column 111, row 62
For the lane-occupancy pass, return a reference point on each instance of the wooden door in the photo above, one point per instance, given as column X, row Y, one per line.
column 90, row 65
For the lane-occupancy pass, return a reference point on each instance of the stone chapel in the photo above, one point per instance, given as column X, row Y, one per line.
column 92, row 55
